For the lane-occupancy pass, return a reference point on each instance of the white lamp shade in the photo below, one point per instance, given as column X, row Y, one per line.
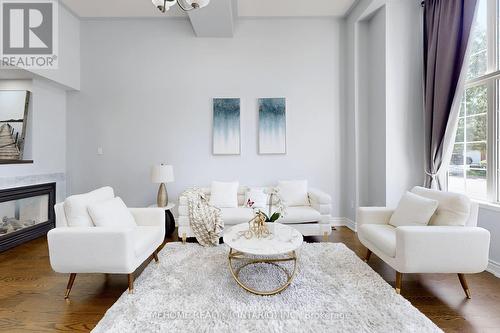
column 162, row 174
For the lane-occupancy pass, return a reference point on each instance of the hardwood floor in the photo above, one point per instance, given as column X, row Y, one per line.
column 32, row 295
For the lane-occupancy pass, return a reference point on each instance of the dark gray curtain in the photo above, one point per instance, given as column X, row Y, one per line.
column 447, row 26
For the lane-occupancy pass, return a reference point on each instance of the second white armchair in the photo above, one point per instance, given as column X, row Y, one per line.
column 439, row 247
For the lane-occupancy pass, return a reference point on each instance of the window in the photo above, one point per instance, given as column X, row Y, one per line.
column 473, row 166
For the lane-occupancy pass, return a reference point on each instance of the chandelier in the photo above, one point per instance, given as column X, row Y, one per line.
column 185, row 5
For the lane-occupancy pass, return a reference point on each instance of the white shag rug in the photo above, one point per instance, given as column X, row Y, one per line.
column 192, row 290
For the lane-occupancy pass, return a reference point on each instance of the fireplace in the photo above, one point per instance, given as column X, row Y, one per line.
column 26, row 213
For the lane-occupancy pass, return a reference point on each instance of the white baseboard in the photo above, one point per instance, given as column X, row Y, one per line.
column 343, row 222
column 350, row 224
column 494, row 268
column 337, row 221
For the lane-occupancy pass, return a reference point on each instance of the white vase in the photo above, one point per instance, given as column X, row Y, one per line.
column 270, row 227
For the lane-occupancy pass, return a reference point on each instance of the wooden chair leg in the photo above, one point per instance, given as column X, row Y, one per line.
column 465, row 287
column 130, row 283
column 399, row 282
column 71, row 280
column 325, row 236
column 368, row 255
column 155, row 256
column 184, row 238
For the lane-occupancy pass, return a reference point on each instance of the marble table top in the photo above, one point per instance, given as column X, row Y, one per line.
column 283, row 239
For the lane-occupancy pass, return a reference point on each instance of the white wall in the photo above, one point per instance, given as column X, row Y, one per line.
column 146, row 93
column 404, row 118
column 68, row 73
column 489, row 219
column 46, row 137
column 371, row 109
column 403, row 123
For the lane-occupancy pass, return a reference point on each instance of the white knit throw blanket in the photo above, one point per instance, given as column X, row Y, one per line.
column 204, row 219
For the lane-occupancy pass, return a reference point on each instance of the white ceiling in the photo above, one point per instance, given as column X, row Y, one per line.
column 246, row 8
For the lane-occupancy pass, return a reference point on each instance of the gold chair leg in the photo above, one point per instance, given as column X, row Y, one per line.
column 155, row 256
column 465, row 287
column 184, row 238
column 399, row 282
column 368, row 255
column 71, row 280
column 130, row 283
column 325, row 236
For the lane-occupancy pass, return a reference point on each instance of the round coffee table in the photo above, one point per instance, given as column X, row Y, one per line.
column 280, row 246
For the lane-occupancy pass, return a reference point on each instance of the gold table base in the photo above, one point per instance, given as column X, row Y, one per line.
column 235, row 255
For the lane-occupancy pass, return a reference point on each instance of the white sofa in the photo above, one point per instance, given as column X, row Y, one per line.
column 311, row 220
column 90, row 249
column 461, row 249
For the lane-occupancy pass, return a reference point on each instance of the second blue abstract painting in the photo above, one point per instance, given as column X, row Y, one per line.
column 272, row 126
column 226, row 126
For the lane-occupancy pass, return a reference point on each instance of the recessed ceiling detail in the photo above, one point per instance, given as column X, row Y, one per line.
column 246, row 8
column 293, row 8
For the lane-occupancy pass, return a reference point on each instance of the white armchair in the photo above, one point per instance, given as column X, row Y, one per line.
column 461, row 249
column 105, row 249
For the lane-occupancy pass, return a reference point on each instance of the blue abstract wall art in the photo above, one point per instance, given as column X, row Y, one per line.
column 226, row 126
column 272, row 126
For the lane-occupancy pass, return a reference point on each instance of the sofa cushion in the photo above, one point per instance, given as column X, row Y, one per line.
column 256, row 198
column 224, row 195
column 383, row 236
column 293, row 192
column 238, row 215
column 302, row 214
column 111, row 213
column 453, row 208
column 147, row 239
column 75, row 206
column 413, row 210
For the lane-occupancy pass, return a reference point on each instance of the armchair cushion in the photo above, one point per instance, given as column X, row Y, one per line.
column 382, row 236
column 111, row 213
column 413, row 210
column 75, row 206
column 453, row 210
column 294, row 192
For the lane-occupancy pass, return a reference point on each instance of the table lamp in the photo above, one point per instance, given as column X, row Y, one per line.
column 161, row 174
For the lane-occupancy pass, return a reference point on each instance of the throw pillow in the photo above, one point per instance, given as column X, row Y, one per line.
column 111, row 213
column 75, row 206
column 224, row 194
column 453, row 209
column 413, row 210
column 293, row 192
column 256, row 198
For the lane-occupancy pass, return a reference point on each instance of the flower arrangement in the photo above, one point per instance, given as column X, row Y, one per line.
column 280, row 211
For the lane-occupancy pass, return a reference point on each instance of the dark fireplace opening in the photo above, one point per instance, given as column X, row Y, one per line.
column 26, row 213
